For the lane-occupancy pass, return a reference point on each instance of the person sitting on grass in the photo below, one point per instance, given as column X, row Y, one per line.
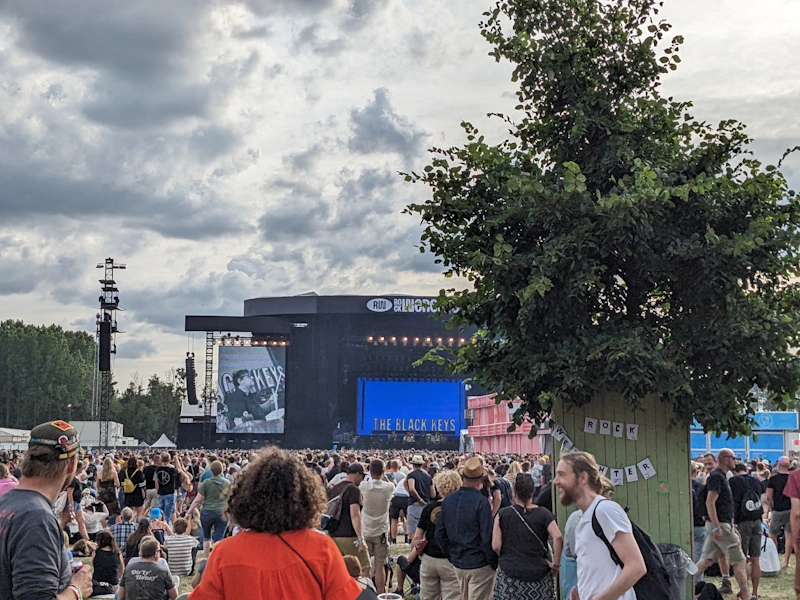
column 354, row 568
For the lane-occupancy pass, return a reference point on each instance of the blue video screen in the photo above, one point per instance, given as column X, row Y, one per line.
column 403, row 405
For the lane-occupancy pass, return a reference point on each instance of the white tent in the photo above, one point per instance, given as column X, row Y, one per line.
column 163, row 442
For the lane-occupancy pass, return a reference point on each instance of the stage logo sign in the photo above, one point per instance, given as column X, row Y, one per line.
column 402, row 305
column 251, row 392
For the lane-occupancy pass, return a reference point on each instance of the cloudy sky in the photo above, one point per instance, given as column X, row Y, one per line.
column 231, row 149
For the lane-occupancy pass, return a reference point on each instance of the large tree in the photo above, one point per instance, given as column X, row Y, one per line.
column 613, row 242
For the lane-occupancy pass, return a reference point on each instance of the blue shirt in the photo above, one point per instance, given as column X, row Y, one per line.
column 464, row 529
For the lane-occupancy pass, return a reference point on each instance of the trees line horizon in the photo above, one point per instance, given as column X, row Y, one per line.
column 47, row 373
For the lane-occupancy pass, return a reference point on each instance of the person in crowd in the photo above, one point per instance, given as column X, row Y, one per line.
column 107, row 562
column 166, row 478
column 277, row 502
column 138, row 486
column 514, row 469
column 792, row 491
column 491, row 490
column 721, row 538
column 150, row 494
column 135, row 539
column 183, row 485
column 95, row 516
column 399, row 505
column 159, row 528
column 348, row 536
column 7, row 481
column 709, row 464
column 520, row 538
column 107, row 486
column 335, row 469
column 437, row 575
column 181, row 549
column 781, row 506
column 578, row 481
column 377, row 496
column 420, row 490
column 698, row 512
column 146, row 579
column 34, row 562
column 354, row 569
column 211, row 498
column 748, row 520
column 123, row 528
column 464, row 532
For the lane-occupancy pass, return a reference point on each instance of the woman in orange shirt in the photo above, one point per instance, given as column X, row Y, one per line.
column 277, row 501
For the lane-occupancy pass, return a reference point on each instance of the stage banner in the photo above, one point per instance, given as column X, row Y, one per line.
column 251, row 389
column 409, row 407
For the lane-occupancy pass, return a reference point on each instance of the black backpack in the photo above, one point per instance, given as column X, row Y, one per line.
column 333, row 509
column 655, row 583
column 750, row 508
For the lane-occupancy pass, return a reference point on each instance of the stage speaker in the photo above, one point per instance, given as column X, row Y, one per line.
column 104, row 359
column 191, row 391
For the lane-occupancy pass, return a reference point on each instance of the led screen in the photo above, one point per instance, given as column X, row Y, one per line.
column 251, row 389
column 396, row 405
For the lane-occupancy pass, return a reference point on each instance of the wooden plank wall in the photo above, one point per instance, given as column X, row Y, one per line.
column 660, row 505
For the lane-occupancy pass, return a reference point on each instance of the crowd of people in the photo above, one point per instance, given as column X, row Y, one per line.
column 315, row 524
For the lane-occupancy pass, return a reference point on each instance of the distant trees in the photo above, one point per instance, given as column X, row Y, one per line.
column 43, row 369
column 149, row 410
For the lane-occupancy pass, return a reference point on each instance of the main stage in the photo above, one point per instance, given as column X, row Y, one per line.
column 316, row 371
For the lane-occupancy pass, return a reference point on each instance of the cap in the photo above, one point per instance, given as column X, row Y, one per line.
column 144, row 521
column 473, row 469
column 155, row 513
column 417, row 460
column 433, row 465
column 784, row 460
column 355, row 469
column 60, row 436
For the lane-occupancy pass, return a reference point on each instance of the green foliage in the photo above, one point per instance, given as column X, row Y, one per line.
column 42, row 370
column 613, row 242
column 149, row 411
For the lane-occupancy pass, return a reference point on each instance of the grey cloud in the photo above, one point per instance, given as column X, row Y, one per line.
column 32, row 196
column 304, row 160
column 210, row 141
column 133, row 348
column 24, row 268
column 378, row 128
column 309, row 37
column 257, row 32
column 265, row 8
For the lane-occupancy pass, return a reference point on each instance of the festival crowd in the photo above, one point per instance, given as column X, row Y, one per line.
column 320, row 524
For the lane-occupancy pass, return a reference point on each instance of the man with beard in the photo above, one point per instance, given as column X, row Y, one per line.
column 578, row 481
column 243, row 399
column 34, row 562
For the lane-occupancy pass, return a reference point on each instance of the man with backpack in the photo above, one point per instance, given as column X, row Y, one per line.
column 577, row 478
column 748, row 514
column 721, row 539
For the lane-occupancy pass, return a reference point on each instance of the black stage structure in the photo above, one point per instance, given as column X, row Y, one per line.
column 335, row 348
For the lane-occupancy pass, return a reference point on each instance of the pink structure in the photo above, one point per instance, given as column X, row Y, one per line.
column 489, row 430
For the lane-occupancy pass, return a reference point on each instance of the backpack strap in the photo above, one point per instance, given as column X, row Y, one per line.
column 598, row 531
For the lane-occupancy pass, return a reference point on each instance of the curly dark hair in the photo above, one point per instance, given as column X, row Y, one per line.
column 276, row 493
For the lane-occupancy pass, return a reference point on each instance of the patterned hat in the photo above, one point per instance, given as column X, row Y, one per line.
column 58, row 435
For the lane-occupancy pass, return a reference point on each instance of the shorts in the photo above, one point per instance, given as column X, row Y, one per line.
column 729, row 545
column 779, row 521
column 378, row 548
column 751, row 533
column 399, row 504
column 347, row 546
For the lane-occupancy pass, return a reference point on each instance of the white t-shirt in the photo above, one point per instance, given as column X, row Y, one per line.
column 400, row 489
column 596, row 569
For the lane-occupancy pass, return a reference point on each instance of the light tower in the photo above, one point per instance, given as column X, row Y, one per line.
column 106, row 346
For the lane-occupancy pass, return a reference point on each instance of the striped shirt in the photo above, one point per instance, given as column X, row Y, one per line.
column 179, row 553
column 121, row 530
